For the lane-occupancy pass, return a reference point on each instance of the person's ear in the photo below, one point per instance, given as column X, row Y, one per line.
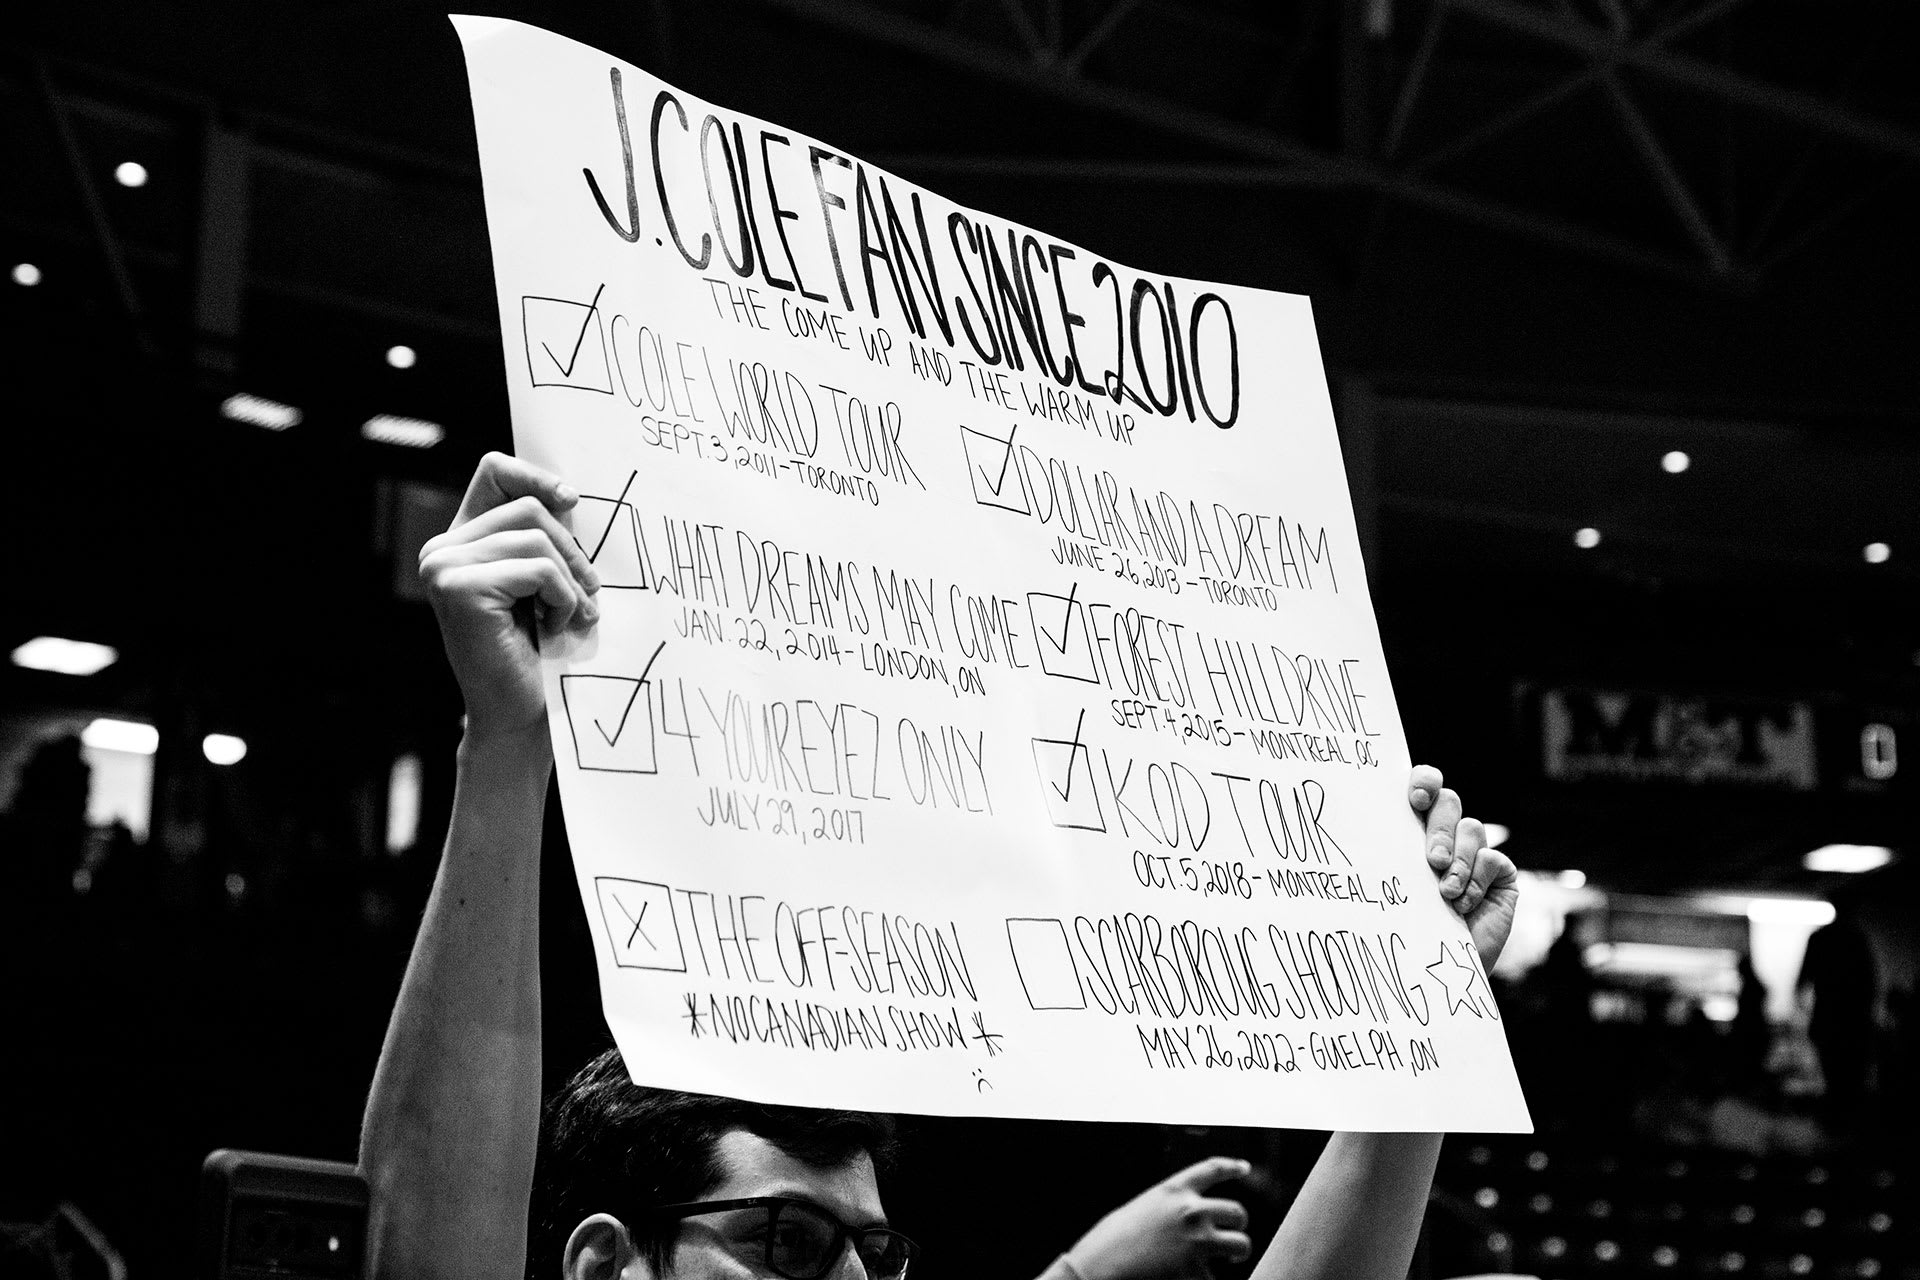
column 601, row 1249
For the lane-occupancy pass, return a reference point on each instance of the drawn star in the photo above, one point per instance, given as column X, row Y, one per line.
column 1463, row 977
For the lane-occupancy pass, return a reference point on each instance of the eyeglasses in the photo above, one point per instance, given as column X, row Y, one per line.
column 797, row 1239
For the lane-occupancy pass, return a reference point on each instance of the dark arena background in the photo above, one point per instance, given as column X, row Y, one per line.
column 1616, row 303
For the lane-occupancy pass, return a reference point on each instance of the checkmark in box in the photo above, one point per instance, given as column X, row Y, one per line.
column 566, row 343
column 1061, row 635
column 640, row 924
column 611, row 718
column 1065, row 767
column 612, row 722
column 606, row 529
column 996, row 481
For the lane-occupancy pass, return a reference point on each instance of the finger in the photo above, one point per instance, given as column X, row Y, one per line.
column 1442, row 819
column 536, row 577
column 1228, row 1215
column 528, row 544
column 1234, row 1246
column 500, row 478
column 1493, row 872
column 511, row 544
column 1469, row 841
column 1423, row 786
column 522, row 513
column 1208, row 1172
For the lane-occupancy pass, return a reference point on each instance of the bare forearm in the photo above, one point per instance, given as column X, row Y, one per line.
column 1359, row 1214
column 453, row 1117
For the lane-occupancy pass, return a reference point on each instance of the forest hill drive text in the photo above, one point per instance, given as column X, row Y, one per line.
column 1017, row 301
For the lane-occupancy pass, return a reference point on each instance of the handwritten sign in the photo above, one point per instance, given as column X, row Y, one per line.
column 987, row 714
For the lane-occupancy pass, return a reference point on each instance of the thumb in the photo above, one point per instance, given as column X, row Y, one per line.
column 1209, row 1172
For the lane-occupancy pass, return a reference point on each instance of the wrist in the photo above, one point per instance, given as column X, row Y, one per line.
column 500, row 755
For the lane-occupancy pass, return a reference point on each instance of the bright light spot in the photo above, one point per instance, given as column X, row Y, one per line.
column 1808, row 913
column 130, row 736
column 1571, row 879
column 26, row 274
column 258, row 411
column 83, row 880
column 223, row 748
column 130, row 173
column 412, row 433
column 1675, row 462
column 1854, row 858
column 1497, row 834
column 403, row 804
column 402, row 357
column 1586, row 539
column 333, row 1244
column 1877, row 552
column 236, row 885
column 68, row 657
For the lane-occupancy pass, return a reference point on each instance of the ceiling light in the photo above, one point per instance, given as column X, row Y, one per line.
column 1571, row 879
column 402, row 356
column 1675, row 462
column 130, row 736
column 130, row 173
column 1877, row 552
column 1852, row 858
column 258, row 411
column 1586, row 539
column 413, row 433
column 68, row 657
column 26, row 274
column 1808, row 913
column 223, row 748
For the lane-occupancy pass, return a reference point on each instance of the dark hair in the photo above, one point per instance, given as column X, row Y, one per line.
column 608, row 1145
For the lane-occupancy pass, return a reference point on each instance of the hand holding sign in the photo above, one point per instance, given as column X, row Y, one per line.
column 1480, row 883
column 504, row 550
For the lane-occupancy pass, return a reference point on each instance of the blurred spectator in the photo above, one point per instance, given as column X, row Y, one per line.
column 1562, row 1081
column 1750, row 1038
column 46, row 833
column 1842, row 979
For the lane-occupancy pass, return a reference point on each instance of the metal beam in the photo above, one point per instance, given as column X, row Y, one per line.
column 1790, row 105
column 1665, row 174
column 93, row 205
column 1109, row 20
column 1204, row 128
column 1559, row 92
column 1414, row 82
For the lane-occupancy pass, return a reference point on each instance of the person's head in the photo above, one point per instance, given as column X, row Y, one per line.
column 612, row 1153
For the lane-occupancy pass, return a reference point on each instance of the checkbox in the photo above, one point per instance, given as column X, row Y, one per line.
column 1045, row 964
column 640, row 924
column 1065, row 767
column 612, row 722
column 1061, row 635
column 566, row 343
column 996, row 481
column 607, row 530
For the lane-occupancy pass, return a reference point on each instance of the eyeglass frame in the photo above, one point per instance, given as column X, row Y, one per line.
column 843, row 1234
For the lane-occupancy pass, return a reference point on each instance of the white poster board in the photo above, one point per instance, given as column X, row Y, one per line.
column 987, row 714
